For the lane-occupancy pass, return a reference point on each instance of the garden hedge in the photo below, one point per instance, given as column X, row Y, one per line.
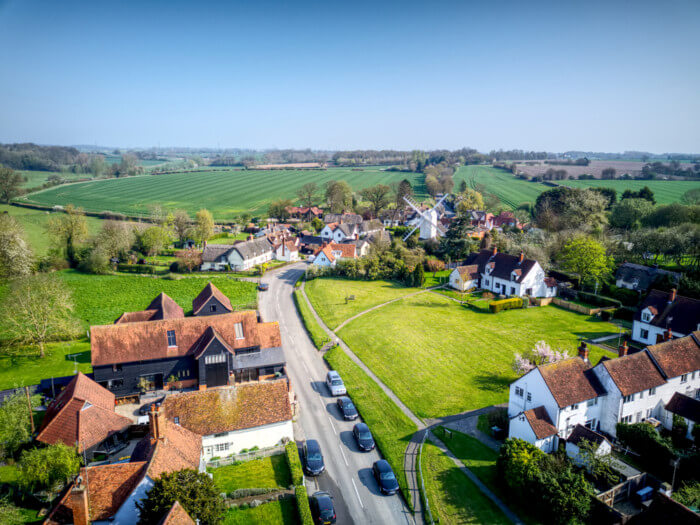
column 505, row 304
column 142, row 268
column 303, row 505
column 624, row 295
column 294, row 463
column 598, row 300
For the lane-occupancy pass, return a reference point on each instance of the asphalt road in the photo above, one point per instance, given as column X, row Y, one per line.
column 348, row 476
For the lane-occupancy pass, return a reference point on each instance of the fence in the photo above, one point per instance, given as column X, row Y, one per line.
column 580, row 308
column 424, row 494
column 247, row 456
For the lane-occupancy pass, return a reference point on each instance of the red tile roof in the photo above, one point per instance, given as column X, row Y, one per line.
column 123, row 343
column 678, row 356
column 540, row 423
column 326, row 250
column 468, row 273
column 83, row 413
column 136, row 317
column 228, row 409
column 634, row 373
column 162, row 307
column 207, row 293
column 177, row 516
column 347, row 251
column 569, row 381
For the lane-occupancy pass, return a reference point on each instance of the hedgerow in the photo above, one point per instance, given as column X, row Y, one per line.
column 505, row 304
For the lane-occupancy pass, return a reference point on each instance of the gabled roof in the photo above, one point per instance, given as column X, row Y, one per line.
column 347, row 229
column 370, row 226
column 570, row 381
column 177, row 516
column 351, row 218
column 684, row 406
column 502, row 264
column 178, row 449
column 347, row 250
column 123, row 343
column 580, row 433
column 253, row 248
column 634, row 373
column 213, row 252
column 468, row 273
column 82, row 414
column 210, row 335
column 682, row 315
column 228, row 409
column 162, row 307
column 207, row 293
column 643, row 275
column 678, row 356
column 327, row 251
column 540, row 423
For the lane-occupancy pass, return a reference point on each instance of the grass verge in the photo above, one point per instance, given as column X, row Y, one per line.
column 316, row 333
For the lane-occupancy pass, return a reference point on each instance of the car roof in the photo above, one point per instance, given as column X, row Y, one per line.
column 323, row 496
column 312, row 444
column 344, row 399
column 382, row 465
column 361, row 426
column 333, row 374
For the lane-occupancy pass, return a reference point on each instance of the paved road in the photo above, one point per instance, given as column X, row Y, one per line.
column 348, row 475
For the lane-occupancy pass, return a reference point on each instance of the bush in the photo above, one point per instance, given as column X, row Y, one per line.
column 294, row 463
column 606, row 315
column 96, row 262
column 598, row 300
column 626, row 313
column 626, row 296
column 505, row 304
column 654, row 451
column 48, row 467
column 303, row 505
column 175, row 267
column 141, row 268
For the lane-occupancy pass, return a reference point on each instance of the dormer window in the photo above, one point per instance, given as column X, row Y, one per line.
column 171, row 338
column 238, row 327
column 647, row 315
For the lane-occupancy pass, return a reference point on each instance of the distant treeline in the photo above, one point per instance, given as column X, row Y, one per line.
column 30, row 156
column 583, row 161
column 643, row 156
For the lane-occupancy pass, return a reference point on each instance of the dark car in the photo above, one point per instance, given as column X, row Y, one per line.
column 347, row 408
column 322, row 510
column 363, row 436
column 263, row 287
column 145, row 409
column 313, row 459
column 385, row 477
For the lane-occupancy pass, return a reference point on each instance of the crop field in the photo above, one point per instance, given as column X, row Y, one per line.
column 665, row 191
column 225, row 193
column 37, row 178
column 511, row 191
column 595, row 168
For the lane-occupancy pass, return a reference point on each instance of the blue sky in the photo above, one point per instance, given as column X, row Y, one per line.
column 603, row 76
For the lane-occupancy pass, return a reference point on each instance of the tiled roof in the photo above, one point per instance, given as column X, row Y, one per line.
column 347, row 250
column 347, row 229
column 540, row 423
column 634, row 373
column 502, row 264
column 678, row 356
column 253, row 248
column 681, row 315
column 551, row 282
column 83, row 413
column 350, row 218
column 108, row 487
column 207, row 293
column 370, row 226
column 162, row 307
column 123, row 343
column 684, row 406
column 210, row 335
column 326, row 250
column 177, row 516
column 136, row 317
column 468, row 273
column 228, row 409
column 570, row 381
column 580, row 433
column 213, row 252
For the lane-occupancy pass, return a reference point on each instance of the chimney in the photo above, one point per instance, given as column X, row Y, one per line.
column 522, row 257
column 583, row 351
column 668, row 335
column 250, row 237
column 156, row 423
column 672, row 296
column 79, row 502
column 495, row 250
column 622, row 351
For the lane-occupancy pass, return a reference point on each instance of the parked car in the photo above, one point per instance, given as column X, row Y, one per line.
column 385, row 477
column 347, row 408
column 363, row 437
column 313, row 459
column 335, row 384
column 322, row 509
column 263, row 287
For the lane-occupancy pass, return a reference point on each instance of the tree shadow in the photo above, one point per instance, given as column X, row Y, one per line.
column 80, row 357
column 492, row 382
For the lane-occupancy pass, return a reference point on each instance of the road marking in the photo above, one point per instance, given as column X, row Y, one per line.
column 357, row 493
column 306, row 368
column 343, row 453
column 321, row 401
column 332, row 426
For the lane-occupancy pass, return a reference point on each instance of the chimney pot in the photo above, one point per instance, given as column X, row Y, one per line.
column 669, row 334
column 672, row 295
column 79, row 503
column 495, row 250
column 583, row 351
column 622, row 351
column 522, row 257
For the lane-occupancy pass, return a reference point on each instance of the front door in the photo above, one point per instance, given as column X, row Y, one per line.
column 217, row 374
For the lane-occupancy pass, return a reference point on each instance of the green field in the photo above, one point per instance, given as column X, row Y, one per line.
column 270, row 472
column 225, row 193
column 316, row 333
column 442, row 358
column 665, row 191
column 37, row 178
column 282, row 512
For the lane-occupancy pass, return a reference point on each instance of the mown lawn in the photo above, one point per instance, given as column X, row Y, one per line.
column 282, row 512
column 316, row 333
column 263, row 473
column 442, row 358
column 391, row 428
column 453, row 498
column 9, row 477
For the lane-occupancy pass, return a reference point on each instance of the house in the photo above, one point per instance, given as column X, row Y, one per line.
column 335, row 232
column 239, row 257
column 373, row 226
column 177, row 516
column 109, row 493
column 628, row 389
column 304, row 213
column 506, row 218
column 329, row 255
column 201, row 351
column 211, row 301
column 685, row 407
column 639, row 277
column 535, row 426
column 480, row 219
column 392, row 218
column 664, row 311
column 286, row 250
column 581, row 434
column 506, row 274
column 162, row 307
column 83, row 416
column 465, row 278
column 232, row 419
column 342, row 218
column 310, row 244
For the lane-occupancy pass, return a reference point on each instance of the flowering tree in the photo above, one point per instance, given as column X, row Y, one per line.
column 540, row 354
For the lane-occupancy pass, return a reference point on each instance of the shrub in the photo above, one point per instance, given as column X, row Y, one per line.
column 294, row 463
column 96, row 262
column 598, row 300
column 625, row 313
column 626, row 296
column 48, row 467
column 606, row 315
column 303, row 505
column 654, row 450
column 505, row 304
column 141, row 268
column 688, row 494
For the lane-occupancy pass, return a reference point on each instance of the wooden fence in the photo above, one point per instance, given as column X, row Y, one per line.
column 247, row 456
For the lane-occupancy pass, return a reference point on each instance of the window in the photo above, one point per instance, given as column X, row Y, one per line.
column 212, row 308
column 519, row 391
column 648, row 413
column 116, row 368
column 248, row 351
column 574, row 407
column 171, row 338
column 221, row 447
column 644, row 334
column 214, row 359
column 221, row 434
column 183, row 373
column 592, row 402
column 626, row 419
column 486, row 281
column 628, row 399
column 116, row 383
column 641, row 395
column 512, row 291
column 652, row 391
column 177, row 420
column 239, row 330
column 590, row 424
column 684, row 378
column 692, row 376
column 639, row 417
column 529, row 396
column 646, row 317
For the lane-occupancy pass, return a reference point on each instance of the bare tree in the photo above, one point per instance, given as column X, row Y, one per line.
column 182, row 225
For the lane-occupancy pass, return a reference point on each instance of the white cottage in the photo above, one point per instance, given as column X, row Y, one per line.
column 661, row 312
column 241, row 256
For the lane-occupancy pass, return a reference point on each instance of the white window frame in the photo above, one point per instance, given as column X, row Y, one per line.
column 238, row 327
column 174, row 340
column 519, row 391
column 684, row 378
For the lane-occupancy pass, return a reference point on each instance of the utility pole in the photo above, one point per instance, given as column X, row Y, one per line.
column 29, row 404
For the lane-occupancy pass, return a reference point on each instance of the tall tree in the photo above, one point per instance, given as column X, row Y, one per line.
column 307, row 194
column 279, row 209
column 97, row 165
column 204, row 225
column 48, row 467
column 470, row 200
column 115, row 239
column 15, row 428
column 608, row 173
column 377, row 196
column 628, row 214
column 586, row 257
column 39, row 308
column 182, row 225
column 456, row 243
column 69, row 230
column 15, row 254
column 153, row 239
column 338, row 195
column 10, row 184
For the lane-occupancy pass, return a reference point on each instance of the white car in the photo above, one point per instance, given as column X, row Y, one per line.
column 335, row 384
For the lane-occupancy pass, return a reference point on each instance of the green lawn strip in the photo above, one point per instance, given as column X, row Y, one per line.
column 391, row 428
column 437, row 279
column 24, row 367
column 457, row 357
column 9, row 476
column 262, row 473
column 316, row 333
column 281, row 512
column 230, row 238
column 452, row 496
column 330, row 297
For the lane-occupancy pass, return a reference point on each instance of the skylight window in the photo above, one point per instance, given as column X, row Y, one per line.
column 238, row 327
column 171, row 338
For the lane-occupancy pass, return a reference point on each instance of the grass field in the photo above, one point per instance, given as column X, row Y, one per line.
column 34, row 223
column 442, row 358
column 263, row 473
column 452, row 496
column 390, row 427
column 225, row 193
column 37, row 178
column 665, row 191
column 282, row 512
column 316, row 333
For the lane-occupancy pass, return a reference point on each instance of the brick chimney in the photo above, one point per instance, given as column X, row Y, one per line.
column 668, row 335
column 495, row 250
column 156, row 423
column 522, row 257
column 583, row 351
column 622, row 351
column 672, row 295
column 79, row 502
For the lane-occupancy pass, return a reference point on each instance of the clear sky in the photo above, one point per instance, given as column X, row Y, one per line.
column 603, row 76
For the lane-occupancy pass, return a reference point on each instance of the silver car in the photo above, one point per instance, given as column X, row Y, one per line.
column 335, row 384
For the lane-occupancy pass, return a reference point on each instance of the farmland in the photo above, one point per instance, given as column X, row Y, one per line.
column 226, row 193
column 665, row 191
column 595, row 168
